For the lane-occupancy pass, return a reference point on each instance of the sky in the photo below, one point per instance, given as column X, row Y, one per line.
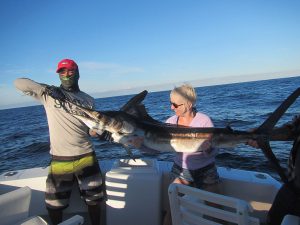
column 126, row 44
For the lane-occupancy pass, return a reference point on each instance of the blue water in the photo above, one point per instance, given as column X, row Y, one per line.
column 24, row 133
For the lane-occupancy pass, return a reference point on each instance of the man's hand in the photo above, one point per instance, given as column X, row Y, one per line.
column 93, row 133
column 253, row 143
column 296, row 124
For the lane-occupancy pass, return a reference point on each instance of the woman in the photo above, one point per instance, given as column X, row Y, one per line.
column 194, row 169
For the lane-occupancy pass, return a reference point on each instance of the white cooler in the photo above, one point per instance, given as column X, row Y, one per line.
column 134, row 193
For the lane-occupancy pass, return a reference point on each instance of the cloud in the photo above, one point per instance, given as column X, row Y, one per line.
column 112, row 68
column 14, row 72
column 98, row 65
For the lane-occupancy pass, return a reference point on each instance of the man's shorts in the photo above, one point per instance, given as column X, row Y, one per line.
column 199, row 178
column 62, row 175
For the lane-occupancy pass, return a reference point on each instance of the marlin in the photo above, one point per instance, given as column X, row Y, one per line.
column 132, row 121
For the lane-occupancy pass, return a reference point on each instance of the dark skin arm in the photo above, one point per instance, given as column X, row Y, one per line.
column 287, row 132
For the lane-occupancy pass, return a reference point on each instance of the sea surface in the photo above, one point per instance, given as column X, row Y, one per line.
column 24, row 136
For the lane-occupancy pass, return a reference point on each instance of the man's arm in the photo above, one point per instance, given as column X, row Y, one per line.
column 30, row 87
column 296, row 130
column 287, row 132
column 297, row 171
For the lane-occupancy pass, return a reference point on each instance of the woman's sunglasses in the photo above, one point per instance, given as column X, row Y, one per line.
column 175, row 105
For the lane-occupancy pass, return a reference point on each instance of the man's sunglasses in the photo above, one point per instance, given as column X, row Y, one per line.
column 175, row 105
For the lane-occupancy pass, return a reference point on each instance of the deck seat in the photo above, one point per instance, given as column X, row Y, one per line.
column 14, row 209
column 190, row 206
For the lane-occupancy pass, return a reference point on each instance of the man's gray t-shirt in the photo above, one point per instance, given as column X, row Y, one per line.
column 68, row 135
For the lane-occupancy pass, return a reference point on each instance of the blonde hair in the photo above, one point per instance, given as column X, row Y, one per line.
column 187, row 92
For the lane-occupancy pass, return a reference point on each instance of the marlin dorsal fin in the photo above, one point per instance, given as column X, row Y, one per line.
column 135, row 100
column 136, row 108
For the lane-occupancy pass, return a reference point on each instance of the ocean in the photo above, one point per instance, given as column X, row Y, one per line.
column 24, row 135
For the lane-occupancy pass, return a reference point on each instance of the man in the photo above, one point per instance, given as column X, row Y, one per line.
column 287, row 200
column 73, row 157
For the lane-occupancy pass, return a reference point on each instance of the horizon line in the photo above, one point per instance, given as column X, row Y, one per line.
column 214, row 81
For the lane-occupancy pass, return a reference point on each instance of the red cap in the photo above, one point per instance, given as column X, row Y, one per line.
column 68, row 64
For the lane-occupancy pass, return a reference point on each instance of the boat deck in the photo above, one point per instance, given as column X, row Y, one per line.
column 258, row 189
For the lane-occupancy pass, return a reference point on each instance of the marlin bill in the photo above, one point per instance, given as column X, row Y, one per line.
column 133, row 121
